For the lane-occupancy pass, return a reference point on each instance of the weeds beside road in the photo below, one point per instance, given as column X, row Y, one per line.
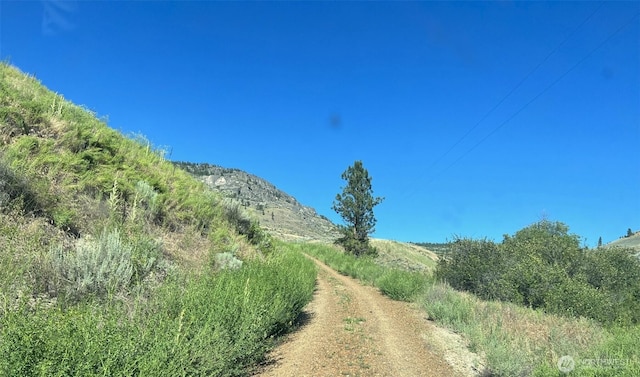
column 208, row 325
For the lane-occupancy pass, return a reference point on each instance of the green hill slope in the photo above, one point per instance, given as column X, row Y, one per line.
column 115, row 262
column 630, row 242
column 71, row 169
column 406, row 256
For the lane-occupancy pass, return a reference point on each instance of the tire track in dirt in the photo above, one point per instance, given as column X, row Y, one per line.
column 353, row 330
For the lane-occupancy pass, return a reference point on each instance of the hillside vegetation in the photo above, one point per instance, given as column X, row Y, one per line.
column 406, row 256
column 537, row 296
column 115, row 262
column 631, row 241
column 543, row 266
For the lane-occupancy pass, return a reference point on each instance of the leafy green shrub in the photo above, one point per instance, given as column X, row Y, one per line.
column 236, row 216
column 471, row 265
column 577, row 298
column 549, row 242
column 63, row 218
column 259, row 238
column 543, row 266
column 615, row 272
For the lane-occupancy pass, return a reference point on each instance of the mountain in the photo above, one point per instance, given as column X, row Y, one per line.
column 279, row 213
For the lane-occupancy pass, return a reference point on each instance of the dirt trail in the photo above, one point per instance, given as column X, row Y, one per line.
column 353, row 330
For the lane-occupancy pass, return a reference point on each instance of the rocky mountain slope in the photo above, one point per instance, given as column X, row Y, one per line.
column 278, row 212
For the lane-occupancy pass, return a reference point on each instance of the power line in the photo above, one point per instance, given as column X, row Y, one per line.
column 505, row 97
column 546, row 89
column 516, row 87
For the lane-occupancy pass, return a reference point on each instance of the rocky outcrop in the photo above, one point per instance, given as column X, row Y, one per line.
column 278, row 212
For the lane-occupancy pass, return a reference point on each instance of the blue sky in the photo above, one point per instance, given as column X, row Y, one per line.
column 421, row 92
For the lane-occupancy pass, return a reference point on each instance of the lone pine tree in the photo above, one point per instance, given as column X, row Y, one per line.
column 355, row 206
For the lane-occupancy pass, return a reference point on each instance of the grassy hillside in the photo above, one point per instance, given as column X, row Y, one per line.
column 407, row 256
column 631, row 242
column 114, row 262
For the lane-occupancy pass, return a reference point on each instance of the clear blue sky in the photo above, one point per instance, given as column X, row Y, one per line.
column 295, row 92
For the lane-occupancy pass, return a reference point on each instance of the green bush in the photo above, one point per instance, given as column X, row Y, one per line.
column 577, row 298
column 615, row 272
column 471, row 265
column 543, row 266
column 236, row 216
column 357, row 247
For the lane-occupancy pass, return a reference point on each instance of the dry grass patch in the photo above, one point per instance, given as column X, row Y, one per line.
column 404, row 255
column 515, row 341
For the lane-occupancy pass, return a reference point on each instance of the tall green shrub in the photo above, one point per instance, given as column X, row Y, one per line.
column 472, row 265
column 543, row 266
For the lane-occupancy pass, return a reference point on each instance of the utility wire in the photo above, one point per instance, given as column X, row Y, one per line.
column 546, row 89
column 532, row 71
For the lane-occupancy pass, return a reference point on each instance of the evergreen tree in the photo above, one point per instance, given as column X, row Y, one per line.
column 355, row 206
column 600, row 242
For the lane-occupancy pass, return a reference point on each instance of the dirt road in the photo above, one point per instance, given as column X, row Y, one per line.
column 353, row 330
